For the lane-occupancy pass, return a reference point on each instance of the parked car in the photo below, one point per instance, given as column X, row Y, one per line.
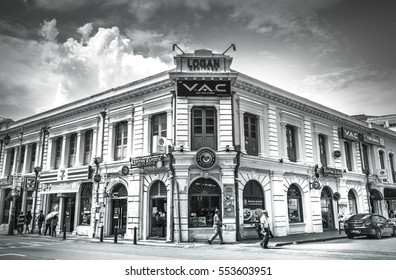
column 372, row 225
column 393, row 218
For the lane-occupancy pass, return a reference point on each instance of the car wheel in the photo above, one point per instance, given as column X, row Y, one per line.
column 350, row 236
column 378, row 234
column 394, row 232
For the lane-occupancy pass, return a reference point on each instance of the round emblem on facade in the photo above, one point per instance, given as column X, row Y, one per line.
column 97, row 178
column 337, row 153
column 336, row 196
column 205, row 158
column 159, row 164
column 125, row 170
column 316, row 185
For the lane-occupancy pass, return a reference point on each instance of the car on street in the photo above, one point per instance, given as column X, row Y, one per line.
column 368, row 224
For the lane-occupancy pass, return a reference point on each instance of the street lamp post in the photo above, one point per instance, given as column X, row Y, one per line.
column 37, row 170
column 97, row 162
column 367, row 172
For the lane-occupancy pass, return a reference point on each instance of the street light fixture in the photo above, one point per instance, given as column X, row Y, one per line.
column 97, row 162
column 37, row 170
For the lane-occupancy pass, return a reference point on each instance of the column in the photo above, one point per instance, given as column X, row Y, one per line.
column 61, row 215
column 5, row 163
column 95, row 135
column 242, row 130
column 283, row 142
column 169, row 130
column 130, row 137
column 308, row 141
column 14, row 166
column 77, row 210
column 316, row 147
column 111, row 141
column 25, row 159
column 336, row 146
column 65, row 152
column 49, row 154
column 261, row 135
column 37, row 156
column 79, row 149
column 273, row 132
column 146, row 135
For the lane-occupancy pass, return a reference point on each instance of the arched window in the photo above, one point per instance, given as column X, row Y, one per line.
column 253, row 202
column 326, row 205
column 294, row 204
column 204, row 199
column 352, row 202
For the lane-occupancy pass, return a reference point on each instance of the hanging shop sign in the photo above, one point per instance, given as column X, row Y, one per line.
column 147, row 161
column 205, row 158
column 373, row 139
column 203, row 88
column 350, row 134
column 328, row 171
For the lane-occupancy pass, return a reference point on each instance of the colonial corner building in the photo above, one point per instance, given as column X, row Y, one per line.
column 158, row 156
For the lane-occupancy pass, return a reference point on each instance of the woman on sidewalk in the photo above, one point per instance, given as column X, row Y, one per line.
column 54, row 223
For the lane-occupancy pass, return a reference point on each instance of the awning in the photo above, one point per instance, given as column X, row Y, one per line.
column 390, row 194
column 71, row 187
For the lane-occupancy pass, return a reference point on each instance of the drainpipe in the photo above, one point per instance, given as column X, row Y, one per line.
column 172, row 170
column 237, row 148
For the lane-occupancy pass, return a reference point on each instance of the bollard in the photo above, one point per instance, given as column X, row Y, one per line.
column 64, row 232
column 101, row 234
column 115, row 234
column 134, row 235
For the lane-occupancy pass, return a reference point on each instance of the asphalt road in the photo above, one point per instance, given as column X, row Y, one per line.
column 46, row 248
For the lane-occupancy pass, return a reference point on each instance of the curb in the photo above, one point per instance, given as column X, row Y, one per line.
column 308, row 241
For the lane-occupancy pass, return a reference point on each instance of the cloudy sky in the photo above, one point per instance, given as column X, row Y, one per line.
column 340, row 53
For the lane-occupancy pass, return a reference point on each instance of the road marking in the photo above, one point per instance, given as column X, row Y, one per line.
column 11, row 254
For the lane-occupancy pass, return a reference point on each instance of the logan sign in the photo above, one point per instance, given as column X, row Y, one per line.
column 203, row 88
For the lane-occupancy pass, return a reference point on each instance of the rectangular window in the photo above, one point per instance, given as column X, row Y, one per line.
column 88, row 146
column 22, row 159
column 203, row 128
column 58, row 152
column 322, row 149
column 348, row 155
column 365, row 161
column 382, row 159
column 33, row 157
column 72, row 149
column 121, row 140
column 291, row 143
column 158, row 130
column 250, row 131
column 392, row 167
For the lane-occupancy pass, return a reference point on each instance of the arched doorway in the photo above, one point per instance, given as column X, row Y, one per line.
column 203, row 199
column 376, row 201
column 253, row 202
column 119, row 203
column 326, row 204
column 158, row 209
column 352, row 203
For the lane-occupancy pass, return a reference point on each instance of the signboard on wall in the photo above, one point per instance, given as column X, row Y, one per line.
column 146, row 161
column 203, row 88
column 350, row 134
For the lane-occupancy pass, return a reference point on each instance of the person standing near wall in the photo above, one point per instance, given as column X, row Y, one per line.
column 265, row 225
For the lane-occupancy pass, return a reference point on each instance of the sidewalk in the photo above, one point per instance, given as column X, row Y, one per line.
column 273, row 242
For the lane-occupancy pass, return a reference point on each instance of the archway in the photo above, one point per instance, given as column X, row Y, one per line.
column 158, row 209
column 326, row 204
column 376, row 198
column 253, row 202
column 119, row 206
column 353, row 209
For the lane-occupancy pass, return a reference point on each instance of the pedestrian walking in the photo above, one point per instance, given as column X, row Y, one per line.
column 54, row 223
column 40, row 221
column 217, row 224
column 21, row 222
column 48, row 227
column 265, row 225
column 28, row 220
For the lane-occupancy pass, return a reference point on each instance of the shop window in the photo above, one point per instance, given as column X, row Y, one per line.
column 294, row 203
column 291, row 143
column 54, row 203
column 253, row 202
column 352, row 203
column 88, row 146
column 250, row 131
column 33, row 157
column 72, row 149
column 204, row 199
column 392, row 166
column 86, row 204
column 158, row 130
column 322, row 149
column 203, row 128
column 121, row 140
column 58, row 152
column 348, row 155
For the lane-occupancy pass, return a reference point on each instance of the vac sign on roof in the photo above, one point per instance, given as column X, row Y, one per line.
column 203, row 88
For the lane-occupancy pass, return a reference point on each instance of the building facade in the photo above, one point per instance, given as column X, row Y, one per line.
column 157, row 156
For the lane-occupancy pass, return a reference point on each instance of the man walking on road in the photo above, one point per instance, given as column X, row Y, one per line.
column 217, row 224
column 265, row 225
column 40, row 221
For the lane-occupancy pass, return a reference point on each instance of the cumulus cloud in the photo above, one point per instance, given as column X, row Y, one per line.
column 55, row 73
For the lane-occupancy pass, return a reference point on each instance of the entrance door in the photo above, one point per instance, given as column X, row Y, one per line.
column 68, row 213
column 158, row 210
column 119, row 216
column 326, row 202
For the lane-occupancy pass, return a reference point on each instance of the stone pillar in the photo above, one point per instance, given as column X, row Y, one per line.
column 146, row 135
column 130, row 135
column 241, row 127
column 273, row 132
column 261, row 135
column 308, row 141
column 5, row 163
column 61, row 220
column 169, row 127
column 80, row 141
column 25, row 159
column 283, row 141
column 15, row 155
column 336, row 146
column 65, row 152
column 111, row 143
column 95, row 141
column 50, row 159
column 279, row 215
column 77, row 211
